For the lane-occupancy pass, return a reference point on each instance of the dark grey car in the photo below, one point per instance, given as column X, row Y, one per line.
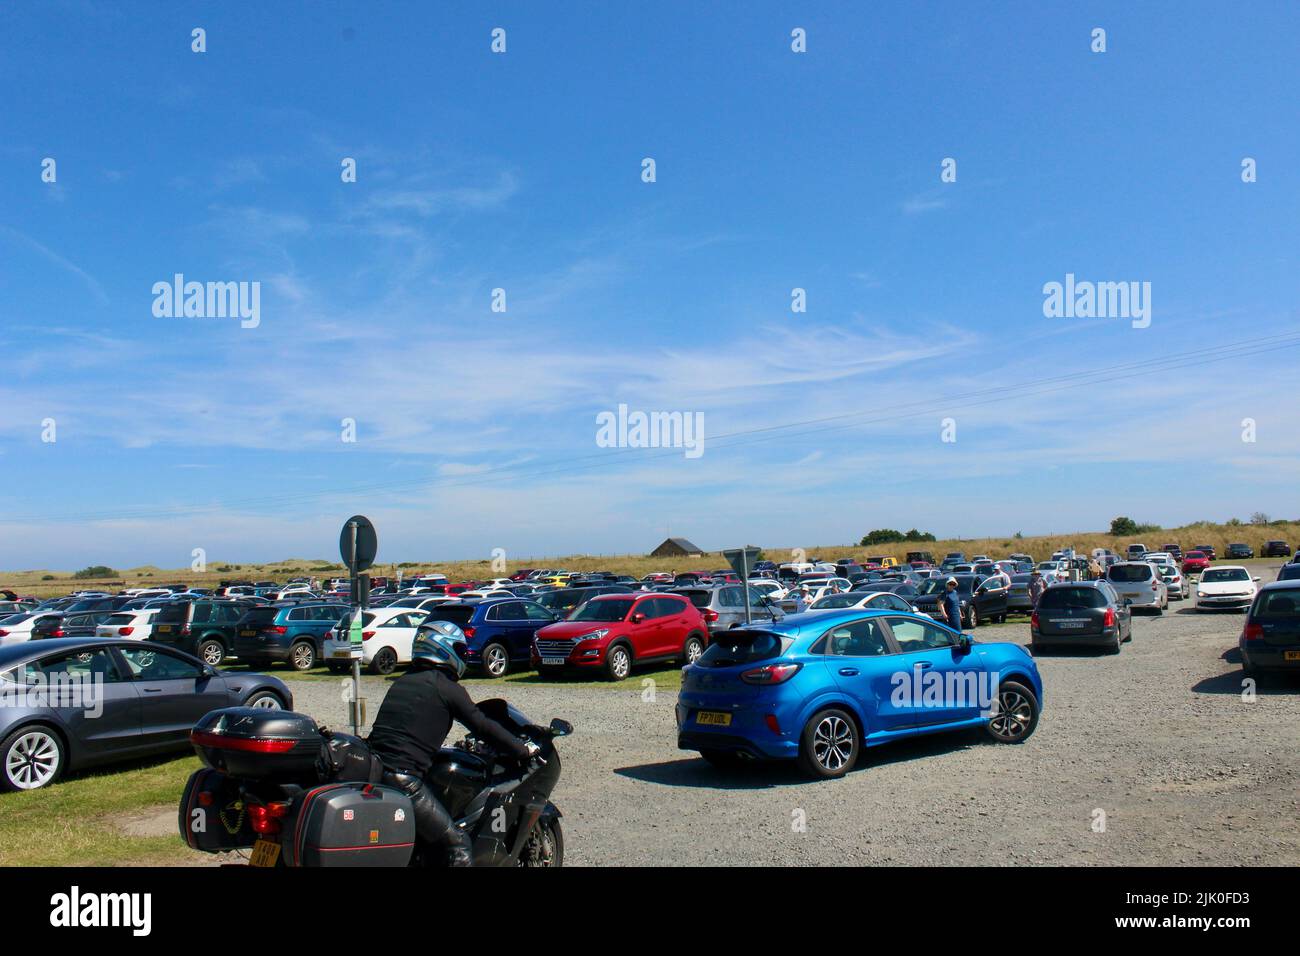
column 76, row 702
column 1081, row 614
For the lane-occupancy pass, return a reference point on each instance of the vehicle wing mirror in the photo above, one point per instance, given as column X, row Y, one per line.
column 1256, row 580
column 963, row 643
column 638, row 617
column 561, row 728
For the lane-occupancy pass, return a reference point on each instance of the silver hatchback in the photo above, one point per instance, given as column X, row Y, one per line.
column 1139, row 584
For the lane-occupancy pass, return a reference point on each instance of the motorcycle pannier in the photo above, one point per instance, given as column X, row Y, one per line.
column 258, row 744
column 211, row 817
column 352, row 824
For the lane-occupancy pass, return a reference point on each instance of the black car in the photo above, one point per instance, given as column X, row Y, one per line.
column 1275, row 549
column 562, row 602
column 982, row 599
column 1240, row 551
column 1270, row 637
column 1289, row 572
column 84, row 624
column 1080, row 614
column 203, row 628
column 80, row 702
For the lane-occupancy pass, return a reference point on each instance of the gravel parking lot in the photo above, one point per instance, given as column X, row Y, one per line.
column 1158, row 738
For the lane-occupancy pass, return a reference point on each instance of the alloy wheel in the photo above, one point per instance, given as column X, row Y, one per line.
column 833, row 742
column 266, row 702
column 1013, row 715
column 620, row 664
column 33, row 760
column 303, row 657
column 496, row 660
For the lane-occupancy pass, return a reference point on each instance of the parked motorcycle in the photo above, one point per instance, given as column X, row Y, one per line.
column 298, row 794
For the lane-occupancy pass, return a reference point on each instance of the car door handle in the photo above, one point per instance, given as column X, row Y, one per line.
column 152, row 690
column 848, row 672
column 922, row 664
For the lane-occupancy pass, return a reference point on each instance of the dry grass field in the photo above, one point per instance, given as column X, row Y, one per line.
column 44, row 583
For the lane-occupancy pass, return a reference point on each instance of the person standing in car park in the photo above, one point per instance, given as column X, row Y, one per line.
column 801, row 600
column 952, row 605
column 1036, row 587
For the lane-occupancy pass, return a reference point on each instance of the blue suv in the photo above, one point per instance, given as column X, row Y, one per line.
column 499, row 632
column 292, row 633
column 818, row 687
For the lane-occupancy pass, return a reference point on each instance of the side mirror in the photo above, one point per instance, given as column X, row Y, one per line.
column 638, row 617
column 561, row 728
column 1256, row 580
column 963, row 643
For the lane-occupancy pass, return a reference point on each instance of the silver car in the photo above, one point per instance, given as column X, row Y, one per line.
column 1140, row 584
column 1180, row 589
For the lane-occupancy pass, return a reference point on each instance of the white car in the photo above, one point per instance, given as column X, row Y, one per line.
column 1053, row 571
column 1225, row 586
column 484, row 593
column 876, row 600
column 137, row 625
column 386, row 637
column 769, row 588
column 17, row 628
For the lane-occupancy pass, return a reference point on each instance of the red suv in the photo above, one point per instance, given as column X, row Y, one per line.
column 612, row 632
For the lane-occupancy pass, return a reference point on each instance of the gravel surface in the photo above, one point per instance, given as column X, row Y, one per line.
column 1157, row 738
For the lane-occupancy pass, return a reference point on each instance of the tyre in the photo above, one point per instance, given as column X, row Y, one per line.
column 496, row 660
column 31, row 758
column 618, row 662
column 545, row 844
column 384, row 661
column 302, row 656
column 1114, row 648
column 829, row 744
column 974, row 617
column 211, row 651
column 692, row 649
column 1016, row 714
column 265, row 700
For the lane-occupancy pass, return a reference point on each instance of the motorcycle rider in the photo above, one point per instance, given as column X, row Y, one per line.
column 413, row 722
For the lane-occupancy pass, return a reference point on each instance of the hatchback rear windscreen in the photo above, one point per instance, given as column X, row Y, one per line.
column 1129, row 573
column 1060, row 598
column 173, row 613
column 257, row 617
column 739, row 646
column 1276, row 604
column 458, row 614
column 699, row 598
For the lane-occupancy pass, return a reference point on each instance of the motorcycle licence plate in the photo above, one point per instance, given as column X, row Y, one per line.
column 554, row 661
column 265, row 853
column 714, row 718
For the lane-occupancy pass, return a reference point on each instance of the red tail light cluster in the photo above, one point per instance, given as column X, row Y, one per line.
column 265, row 817
column 258, row 745
column 710, row 615
column 468, row 631
column 1033, row 620
column 770, row 674
column 1109, row 619
column 125, row 631
column 277, row 629
column 1252, row 632
column 367, row 635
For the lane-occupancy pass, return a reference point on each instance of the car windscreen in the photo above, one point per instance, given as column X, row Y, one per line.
column 1275, row 604
column 458, row 614
column 1060, row 598
column 740, row 646
column 1220, row 575
column 605, row 610
column 1129, row 573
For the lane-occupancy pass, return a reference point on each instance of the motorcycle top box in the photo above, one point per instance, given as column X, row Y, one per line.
column 259, row 744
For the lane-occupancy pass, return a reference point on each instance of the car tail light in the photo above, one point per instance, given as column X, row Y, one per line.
column 772, row 723
column 265, row 817
column 710, row 615
column 125, row 631
column 277, row 629
column 185, row 630
column 468, row 632
column 1252, row 632
column 1109, row 619
column 58, row 632
column 3, row 633
column 1155, row 585
column 770, row 674
column 367, row 635
column 1033, row 620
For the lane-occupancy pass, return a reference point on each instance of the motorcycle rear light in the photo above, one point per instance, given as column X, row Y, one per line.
column 1109, row 619
column 265, row 818
column 258, row 745
column 770, row 674
column 1253, row 632
column 125, row 631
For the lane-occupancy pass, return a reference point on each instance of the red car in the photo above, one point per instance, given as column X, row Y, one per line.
column 522, row 574
column 1194, row 562
column 613, row 632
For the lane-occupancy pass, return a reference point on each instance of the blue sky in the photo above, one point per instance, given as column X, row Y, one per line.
column 522, row 171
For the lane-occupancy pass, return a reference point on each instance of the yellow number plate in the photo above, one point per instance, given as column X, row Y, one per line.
column 265, row 853
column 714, row 718
column 1291, row 655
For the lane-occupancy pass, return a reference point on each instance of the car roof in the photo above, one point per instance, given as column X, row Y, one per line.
column 32, row 650
column 1290, row 585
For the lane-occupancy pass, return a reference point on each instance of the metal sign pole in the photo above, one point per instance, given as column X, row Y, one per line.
column 356, row 658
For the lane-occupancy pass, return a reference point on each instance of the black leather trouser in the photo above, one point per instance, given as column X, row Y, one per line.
column 432, row 821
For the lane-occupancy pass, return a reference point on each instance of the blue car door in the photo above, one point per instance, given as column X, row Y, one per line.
column 936, row 681
column 861, row 663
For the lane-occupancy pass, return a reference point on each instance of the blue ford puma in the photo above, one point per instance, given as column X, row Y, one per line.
column 818, row 687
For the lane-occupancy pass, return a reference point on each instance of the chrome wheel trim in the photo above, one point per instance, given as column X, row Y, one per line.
column 693, row 651
column 496, row 660
column 1011, row 720
column 268, row 702
column 832, row 742
column 33, row 760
